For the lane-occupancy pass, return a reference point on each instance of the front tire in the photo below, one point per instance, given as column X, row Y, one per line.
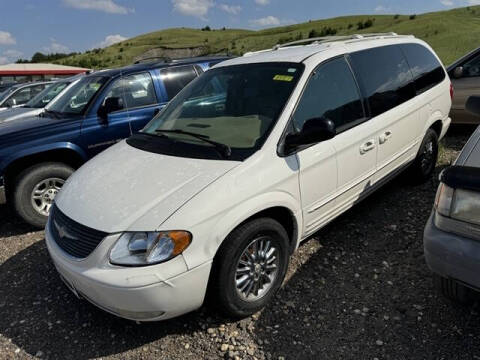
column 453, row 290
column 36, row 189
column 423, row 166
column 250, row 266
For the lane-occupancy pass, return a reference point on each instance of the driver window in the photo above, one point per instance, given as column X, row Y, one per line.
column 472, row 67
column 331, row 93
column 134, row 90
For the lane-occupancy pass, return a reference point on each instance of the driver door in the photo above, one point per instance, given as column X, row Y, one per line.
column 333, row 173
column 98, row 133
column 465, row 86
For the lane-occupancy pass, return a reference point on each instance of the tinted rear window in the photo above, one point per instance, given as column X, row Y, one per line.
column 385, row 77
column 426, row 69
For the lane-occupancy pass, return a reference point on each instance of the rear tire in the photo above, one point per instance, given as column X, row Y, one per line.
column 45, row 179
column 234, row 261
column 453, row 290
column 423, row 166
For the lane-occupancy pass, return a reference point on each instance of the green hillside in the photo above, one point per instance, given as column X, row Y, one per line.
column 451, row 33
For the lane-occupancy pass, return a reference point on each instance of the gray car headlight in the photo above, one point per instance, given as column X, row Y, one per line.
column 458, row 204
column 148, row 248
column 466, row 206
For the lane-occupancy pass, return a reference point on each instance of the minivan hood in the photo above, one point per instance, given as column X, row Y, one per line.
column 16, row 113
column 124, row 188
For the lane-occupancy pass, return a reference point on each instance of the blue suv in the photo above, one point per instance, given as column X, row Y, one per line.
column 38, row 153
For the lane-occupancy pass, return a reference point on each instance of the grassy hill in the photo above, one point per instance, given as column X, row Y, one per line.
column 451, row 33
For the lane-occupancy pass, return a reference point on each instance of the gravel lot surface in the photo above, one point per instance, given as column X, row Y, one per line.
column 359, row 289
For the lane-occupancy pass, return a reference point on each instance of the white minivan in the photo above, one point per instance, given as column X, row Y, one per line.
column 218, row 190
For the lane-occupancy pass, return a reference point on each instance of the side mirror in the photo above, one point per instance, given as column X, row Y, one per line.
column 314, row 131
column 458, row 72
column 111, row 104
column 473, row 105
column 461, row 177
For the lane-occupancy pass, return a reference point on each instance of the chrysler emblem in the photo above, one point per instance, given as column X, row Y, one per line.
column 62, row 231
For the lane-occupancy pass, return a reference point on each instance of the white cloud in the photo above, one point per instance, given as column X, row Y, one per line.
column 231, row 9
column 474, row 2
column 262, row 2
column 6, row 38
column 9, row 56
column 447, row 2
column 11, row 53
column 108, row 6
column 195, row 8
column 55, row 47
column 112, row 39
column 266, row 21
column 381, row 8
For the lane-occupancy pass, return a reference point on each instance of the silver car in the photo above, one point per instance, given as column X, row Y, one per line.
column 452, row 234
column 36, row 105
column 20, row 94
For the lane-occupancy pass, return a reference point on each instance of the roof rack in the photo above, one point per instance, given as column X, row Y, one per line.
column 324, row 39
column 167, row 59
column 149, row 59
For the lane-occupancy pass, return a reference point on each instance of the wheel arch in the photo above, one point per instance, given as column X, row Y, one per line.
column 280, row 206
column 67, row 153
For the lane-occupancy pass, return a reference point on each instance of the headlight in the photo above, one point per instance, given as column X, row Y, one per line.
column 466, row 206
column 148, row 248
column 459, row 204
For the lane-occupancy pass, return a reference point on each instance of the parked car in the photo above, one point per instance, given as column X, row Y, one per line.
column 253, row 157
column 37, row 154
column 35, row 106
column 5, row 86
column 20, row 94
column 452, row 234
column 465, row 75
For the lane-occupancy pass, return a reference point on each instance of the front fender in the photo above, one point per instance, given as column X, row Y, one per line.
column 8, row 160
column 247, row 209
column 208, row 235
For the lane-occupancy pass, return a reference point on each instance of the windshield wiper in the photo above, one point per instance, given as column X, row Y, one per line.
column 224, row 150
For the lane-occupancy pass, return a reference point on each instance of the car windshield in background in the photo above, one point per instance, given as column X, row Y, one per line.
column 76, row 99
column 5, row 93
column 47, row 95
column 228, row 112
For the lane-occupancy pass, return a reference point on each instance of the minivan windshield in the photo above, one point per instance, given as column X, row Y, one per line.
column 226, row 113
column 47, row 95
column 75, row 100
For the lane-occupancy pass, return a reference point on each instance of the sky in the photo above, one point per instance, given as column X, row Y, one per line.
column 48, row 26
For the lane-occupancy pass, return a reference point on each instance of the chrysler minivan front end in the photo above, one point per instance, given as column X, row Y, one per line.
column 135, row 275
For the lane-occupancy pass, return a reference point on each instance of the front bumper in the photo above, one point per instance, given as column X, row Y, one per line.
column 451, row 255
column 3, row 197
column 135, row 293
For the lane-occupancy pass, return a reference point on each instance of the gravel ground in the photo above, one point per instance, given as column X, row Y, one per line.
column 358, row 289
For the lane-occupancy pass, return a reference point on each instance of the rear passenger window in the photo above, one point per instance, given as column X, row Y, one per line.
column 330, row 93
column 385, row 77
column 176, row 78
column 426, row 69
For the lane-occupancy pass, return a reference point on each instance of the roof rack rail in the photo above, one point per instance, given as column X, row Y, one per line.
column 149, row 59
column 324, row 39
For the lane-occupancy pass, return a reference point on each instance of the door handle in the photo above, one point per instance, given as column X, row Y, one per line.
column 384, row 137
column 369, row 145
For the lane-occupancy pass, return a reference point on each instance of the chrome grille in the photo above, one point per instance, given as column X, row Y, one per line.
column 75, row 239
